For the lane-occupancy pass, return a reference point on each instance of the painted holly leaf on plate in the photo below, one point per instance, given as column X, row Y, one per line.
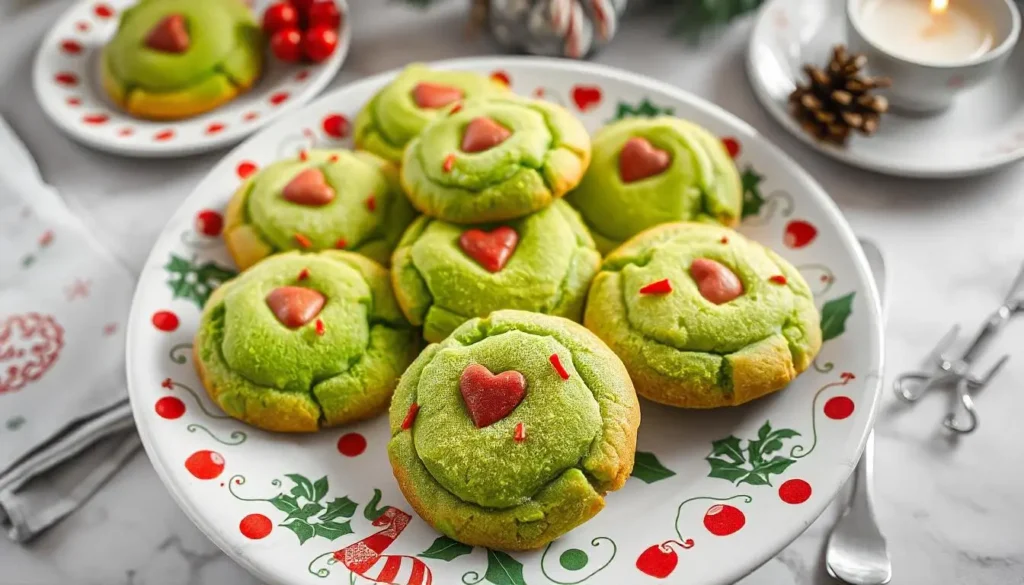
column 752, row 198
column 308, row 515
column 754, row 463
column 446, row 549
column 194, row 281
column 834, row 315
column 502, row 569
column 648, row 469
column 644, row 109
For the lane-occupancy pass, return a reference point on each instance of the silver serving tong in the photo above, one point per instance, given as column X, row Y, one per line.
column 913, row 385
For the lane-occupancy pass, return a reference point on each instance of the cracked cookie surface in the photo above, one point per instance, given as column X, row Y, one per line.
column 304, row 341
column 685, row 350
column 221, row 56
column 442, row 280
column 544, row 466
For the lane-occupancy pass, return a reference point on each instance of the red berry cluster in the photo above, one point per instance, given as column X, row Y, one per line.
column 302, row 29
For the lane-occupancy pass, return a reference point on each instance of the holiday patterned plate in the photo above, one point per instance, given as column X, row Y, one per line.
column 66, row 79
column 714, row 494
column 982, row 131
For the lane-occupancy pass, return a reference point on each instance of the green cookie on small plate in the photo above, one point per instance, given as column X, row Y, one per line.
column 445, row 274
column 509, row 433
column 703, row 317
column 495, row 159
column 304, row 341
column 321, row 200
column 649, row 171
column 398, row 112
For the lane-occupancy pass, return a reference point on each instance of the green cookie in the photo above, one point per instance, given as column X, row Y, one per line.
column 703, row 343
column 402, row 108
column 304, row 341
column 354, row 203
column 219, row 56
column 649, row 171
column 445, row 274
column 495, row 159
column 517, row 460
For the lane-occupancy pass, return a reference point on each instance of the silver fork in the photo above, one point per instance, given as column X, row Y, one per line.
column 856, row 551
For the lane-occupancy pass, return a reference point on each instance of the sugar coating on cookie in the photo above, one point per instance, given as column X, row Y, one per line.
column 304, row 341
column 397, row 113
column 650, row 171
column 172, row 60
column 495, row 159
column 703, row 317
column 318, row 200
column 445, row 274
column 508, row 433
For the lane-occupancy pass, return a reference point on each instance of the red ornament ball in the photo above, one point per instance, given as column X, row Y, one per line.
column 351, row 444
column 255, row 526
column 795, row 491
column 205, row 464
column 209, row 222
column 170, row 407
column 838, row 407
column 286, row 44
column 324, row 13
column 165, row 321
column 723, row 519
column 319, row 42
column 278, row 16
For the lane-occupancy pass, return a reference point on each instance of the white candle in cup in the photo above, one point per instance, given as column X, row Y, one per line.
column 939, row 32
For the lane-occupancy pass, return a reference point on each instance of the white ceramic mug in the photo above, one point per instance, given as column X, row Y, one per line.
column 930, row 88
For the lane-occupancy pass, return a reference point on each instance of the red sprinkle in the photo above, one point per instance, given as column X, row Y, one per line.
column 304, row 274
column 725, row 239
column 520, row 434
column 660, row 287
column 371, row 203
column 410, row 417
column 303, row 241
column 320, row 329
column 558, row 367
column 778, row 279
column 456, row 108
column 340, row 244
column 303, row 155
column 449, row 162
column 333, row 158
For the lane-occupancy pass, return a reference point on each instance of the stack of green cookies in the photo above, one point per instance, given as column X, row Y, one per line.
column 477, row 219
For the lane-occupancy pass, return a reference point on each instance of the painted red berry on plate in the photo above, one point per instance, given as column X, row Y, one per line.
column 255, row 526
column 351, row 444
column 319, row 42
column 795, row 491
column 286, row 44
column 205, row 464
column 799, row 233
column 732, row 146
column 324, row 13
column 170, row 407
column 658, row 561
column 278, row 16
column 209, row 222
column 336, row 126
column 839, row 407
column 723, row 519
column 165, row 321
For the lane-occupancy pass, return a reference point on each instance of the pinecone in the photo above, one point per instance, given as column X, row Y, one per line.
column 838, row 99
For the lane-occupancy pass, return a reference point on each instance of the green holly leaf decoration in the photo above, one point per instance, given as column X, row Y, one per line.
column 502, row 569
column 192, row 281
column 332, row 530
column 303, row 488
column 285, row 503
column 755, row 464
column 338, row 508
column 645, row 109
column 752, row 199
column 305, row 512
column 648, row 469
column 301, row 529
column 320, row 489
column 834, row 315
column 446, row 549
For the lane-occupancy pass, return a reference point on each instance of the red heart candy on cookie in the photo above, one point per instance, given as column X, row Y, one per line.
column 170, row 35
column 309, row 188
column 295, row 306
column 434, row 95
column 492, row 249
column 489, row 397
column 639, row 159
column 483, row 134
column 715, row 281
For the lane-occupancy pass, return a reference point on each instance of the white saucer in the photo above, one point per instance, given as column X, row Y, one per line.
column 983, row 130
column 65, row 77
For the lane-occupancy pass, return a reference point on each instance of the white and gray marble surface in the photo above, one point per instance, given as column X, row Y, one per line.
column 953, row 510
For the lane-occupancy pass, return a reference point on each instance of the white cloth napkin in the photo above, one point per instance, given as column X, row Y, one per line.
column 65, row 421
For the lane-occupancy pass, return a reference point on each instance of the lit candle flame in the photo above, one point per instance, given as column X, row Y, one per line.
column 939, row 6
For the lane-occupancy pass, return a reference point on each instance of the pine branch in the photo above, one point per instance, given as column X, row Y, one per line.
column 696, row 17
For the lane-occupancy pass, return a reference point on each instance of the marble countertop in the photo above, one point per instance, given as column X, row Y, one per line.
column 953, row 510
